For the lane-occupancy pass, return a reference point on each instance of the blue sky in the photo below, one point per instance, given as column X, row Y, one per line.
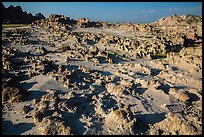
column 112, row 11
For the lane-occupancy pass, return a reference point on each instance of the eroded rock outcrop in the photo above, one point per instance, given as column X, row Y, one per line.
column 187, row 123
column 11, row 91
column 119, row 122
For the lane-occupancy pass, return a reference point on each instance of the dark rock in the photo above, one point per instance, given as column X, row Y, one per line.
column 15, row 15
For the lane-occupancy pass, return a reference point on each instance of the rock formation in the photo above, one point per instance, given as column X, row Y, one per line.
column 95, row 78
column 15, row 15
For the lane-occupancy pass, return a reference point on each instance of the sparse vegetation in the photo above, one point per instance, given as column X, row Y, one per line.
column 197, row 44
column 193, row 19
column 157, row 56
column 14, row 25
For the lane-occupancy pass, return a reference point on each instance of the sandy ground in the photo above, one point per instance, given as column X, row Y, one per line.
column 149, row 104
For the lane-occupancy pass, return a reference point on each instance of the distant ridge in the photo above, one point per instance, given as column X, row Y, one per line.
column 178, row 20
column 15, row 15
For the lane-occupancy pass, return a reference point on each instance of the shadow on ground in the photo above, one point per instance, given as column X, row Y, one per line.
column 143, row 120
column 8, row 128
column 27, row 86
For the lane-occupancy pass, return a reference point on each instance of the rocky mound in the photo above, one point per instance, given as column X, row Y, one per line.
column 187, row 123
column 190, row 57
column 58, row 22
column 119, row 122
column 178, row 20
column 15, row 15
column 11, row 90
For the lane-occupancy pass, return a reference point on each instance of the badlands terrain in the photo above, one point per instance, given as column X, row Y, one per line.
column 76, row 77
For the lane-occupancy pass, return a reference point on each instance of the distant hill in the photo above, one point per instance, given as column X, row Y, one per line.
column 15, row 15
column 178, row 20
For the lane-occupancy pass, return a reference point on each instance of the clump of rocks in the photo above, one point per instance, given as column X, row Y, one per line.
column 61, row 23
column 80, row 78
column 17, row 36
column 47, row 116
column 179, row 94
column 119, row 122
column 11, row 90
column 187, row 123
column 54, row 126
column 40, row 66
column 190, row 57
